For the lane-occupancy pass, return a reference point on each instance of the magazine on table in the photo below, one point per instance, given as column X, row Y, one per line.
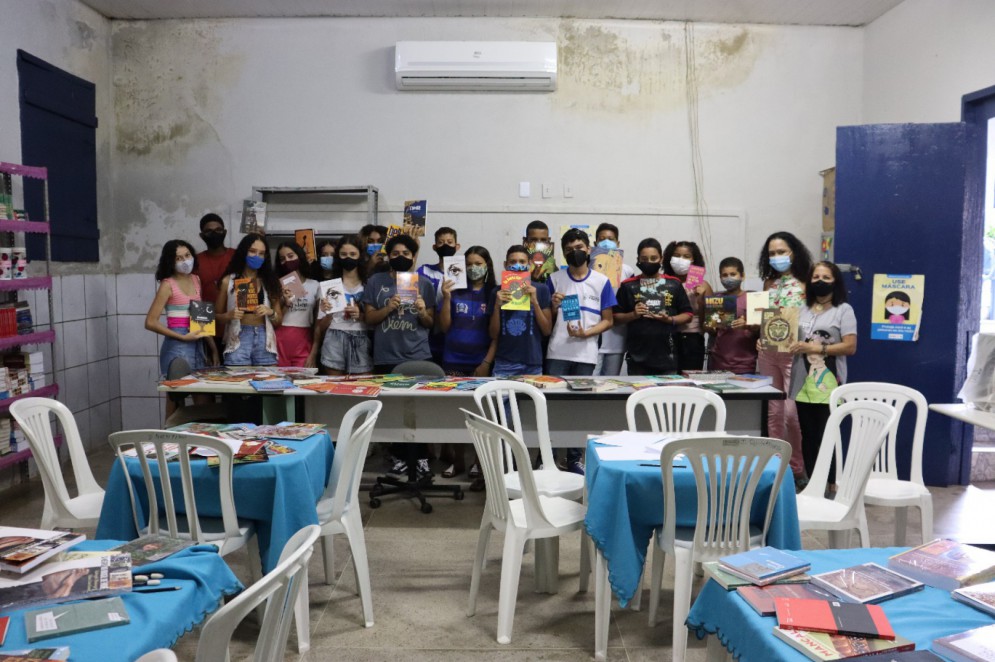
column 70, row 576
column 23, row 549
column 152, row 547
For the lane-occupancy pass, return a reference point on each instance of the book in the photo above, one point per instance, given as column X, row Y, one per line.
column 153, row 547
column 35, row 654
column 415, row 212
column 778, row 328
column 570, row 309
column 866, row 583
column 834, row 617
column 332, row 295
column 545, row 381
column 250, row 452
column 581, row 384
column 720, row 311
column 454, row 271
column 608, row 261
column 264, row 385
column 750, row 381
column 69, row 576
column 438, row 386
column 695, row 277
column 654, row 293
column 905, row 656
column 729, row 581
column 291, row 431
column 980, row 597
column 945, row 564
column 202, row 318
column 720, row 388
column 541, row 257
column 80, row 617
column 471, row 384
column 4, row 624
column 756, row 303
column 407, row 287
column 764, row 565
column 253, row 217
column 21, row 550
column 977, row 645
column 292, row 287
column 246, row 294
column 305, row 239
column 823, row 646
column 392, row 231
column 512, row 281
column 707, row 376
column 761, row 598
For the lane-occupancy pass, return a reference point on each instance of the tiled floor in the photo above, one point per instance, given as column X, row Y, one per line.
column 420, row 569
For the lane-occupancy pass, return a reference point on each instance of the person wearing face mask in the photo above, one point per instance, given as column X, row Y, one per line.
column 326, row 260
column 342, row 336
column 373, row 237
column 178, row 286
column 784, row 265
column 445, row 246
column 678, row 258
column 213, row 263
column 650, row 342
column 734, row 349
column 611, row 349
column 294, row 337
column 252, row 314
column 828, row 328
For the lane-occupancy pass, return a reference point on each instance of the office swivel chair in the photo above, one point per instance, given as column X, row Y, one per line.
column 412, row 488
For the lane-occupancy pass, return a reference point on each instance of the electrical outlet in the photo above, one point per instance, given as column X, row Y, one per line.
column 547, row 190
column 524, row 190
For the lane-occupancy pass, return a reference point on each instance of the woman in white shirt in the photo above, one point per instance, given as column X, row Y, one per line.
column 294, row 337
column 344, row 341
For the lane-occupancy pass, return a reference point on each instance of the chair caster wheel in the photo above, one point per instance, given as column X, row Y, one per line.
column 374, row 503
column 459, row 495
column 426, row 508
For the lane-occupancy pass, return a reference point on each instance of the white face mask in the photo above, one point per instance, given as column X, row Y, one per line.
column 184, row 267
column 680, row 265
column 897, row 310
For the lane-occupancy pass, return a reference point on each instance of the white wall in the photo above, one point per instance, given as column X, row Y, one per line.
column 922, row 56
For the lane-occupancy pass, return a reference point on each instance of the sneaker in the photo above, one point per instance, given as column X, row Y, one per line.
column 399, row 468
column 422, row 470
column 576, row 467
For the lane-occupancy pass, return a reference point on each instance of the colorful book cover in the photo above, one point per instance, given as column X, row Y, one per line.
column 332, row 295
column 975, row 645
column 438, row 386
column 246, row 294
column 823, row 646
column 541, row 257
column 779, row 328
column 305, row 239
column 152, row 547
column 761, row 598
column 392, row 231
column 407, row 286
column 581, row 384
column 400, row 384
column 729, row 581
column 720, row 311
column 945, row 564
column 750, row 381
column 867, row 583
column 471, row 384
column 655, row 295
column 512, row 281
column 79, row 617
column 291, row 431
column 264, row 385
column 415, row 212
column 545, row 381
column 765, row 563
column 695, row 277
column 608, row 261
column 202, row 318
column 756, row 304
column 70, row 576
column 23, row 549
column 346, row 388
column 980, row 597
column 253, row 217
column 292, row 287
column 276, row 448
column 570, row 309
column 855, row 620
column 454, row 271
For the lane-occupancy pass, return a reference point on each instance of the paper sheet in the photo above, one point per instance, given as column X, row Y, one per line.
column 634, row 439
column 621, row 453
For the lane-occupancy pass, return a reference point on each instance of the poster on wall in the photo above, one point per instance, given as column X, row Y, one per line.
column 896, row 307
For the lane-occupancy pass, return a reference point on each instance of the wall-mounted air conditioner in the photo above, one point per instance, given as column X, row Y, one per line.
column 514, row 66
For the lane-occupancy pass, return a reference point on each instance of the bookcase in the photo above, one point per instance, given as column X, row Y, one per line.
column 20, row 343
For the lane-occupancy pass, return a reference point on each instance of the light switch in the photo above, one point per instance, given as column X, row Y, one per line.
column 524, row 190
column 568, row 191
column 547, row 190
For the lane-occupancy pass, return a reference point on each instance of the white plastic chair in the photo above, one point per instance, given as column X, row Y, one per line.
column 884, row 488
column 158, row 655
column 870, row 423
column 531, row 517
column 727, row 471
column 338, row 510
column 278, row 590
column 83, row 510
column 674, row 408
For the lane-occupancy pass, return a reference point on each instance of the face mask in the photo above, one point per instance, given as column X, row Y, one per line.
column 401, row 263
column 254, row 261
column 518, row 267
column 289, row 266
column 577, row 258
column 649, row 268
column 214, row 239
column 372, row 249
column 326, row 262
column 348, row 263
column 445, row 250
column 607, row 243
column 184, row 267
column 477, row 271
column 732, row 283
column 897, row 310
column 781, row 263
column 680, row 265
column 821, row 288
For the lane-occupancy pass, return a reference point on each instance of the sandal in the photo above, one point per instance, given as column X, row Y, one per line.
column 475, row 471
column 450, row 471
column 477, row 485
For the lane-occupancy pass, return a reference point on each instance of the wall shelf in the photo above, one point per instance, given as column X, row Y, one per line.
column 37, row 338
column 21, row 456
column 49, row 391
column 34, row 227
column 34, row 283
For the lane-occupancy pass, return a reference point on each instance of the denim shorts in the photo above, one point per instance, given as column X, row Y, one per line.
column 251, row 348
column 172, row 348
column 347, row 351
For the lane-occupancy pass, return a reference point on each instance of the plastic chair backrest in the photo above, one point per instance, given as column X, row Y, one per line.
column 32, row 415
column 674, row 408
column 279, row 589
column 489, row 440
column 157, row 440
column 897, row 396
column 350, row 455
column 498, row 403
column 869, row 425
column 158, row 655
column 418, row 369
column 727, row 471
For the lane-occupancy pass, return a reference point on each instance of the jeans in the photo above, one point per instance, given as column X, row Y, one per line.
column 508, row 369
column 611, row 365
column 251, row 348
column 563, row 368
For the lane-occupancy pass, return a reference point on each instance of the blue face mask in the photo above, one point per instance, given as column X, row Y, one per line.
column 254, row 261
column 518, row 267
column 326, row 262
column 781, row 263
column 373, row 249
column 608, row 244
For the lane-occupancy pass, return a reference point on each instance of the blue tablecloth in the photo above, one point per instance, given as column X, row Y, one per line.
column 157, row 619
column 279, row 495
column 625, row 505
column 921, row 616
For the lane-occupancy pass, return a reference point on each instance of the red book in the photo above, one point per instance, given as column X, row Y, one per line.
column 4, row 622
column 833, row 617
column 762, row 598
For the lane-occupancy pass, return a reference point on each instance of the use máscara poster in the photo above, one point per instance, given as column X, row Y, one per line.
column 896, row 307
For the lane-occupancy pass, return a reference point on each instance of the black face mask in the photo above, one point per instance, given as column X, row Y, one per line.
column 445, row 250
column 401, row 263
column 348, row 263
column 649, row 268
column 821, row 288
column 214, row 239
column 577, row 258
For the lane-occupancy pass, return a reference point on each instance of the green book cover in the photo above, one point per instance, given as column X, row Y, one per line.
column 59, row 620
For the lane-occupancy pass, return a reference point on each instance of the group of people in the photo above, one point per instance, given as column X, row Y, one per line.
column 469, row 333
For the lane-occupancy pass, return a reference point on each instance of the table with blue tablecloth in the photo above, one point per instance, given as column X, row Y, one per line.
column 157, row 619
column 921, row 616
column 279, row 496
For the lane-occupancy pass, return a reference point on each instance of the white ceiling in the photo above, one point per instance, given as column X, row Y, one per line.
column 782, row 12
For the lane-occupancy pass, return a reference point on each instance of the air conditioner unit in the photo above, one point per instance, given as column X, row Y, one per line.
column 512, row 66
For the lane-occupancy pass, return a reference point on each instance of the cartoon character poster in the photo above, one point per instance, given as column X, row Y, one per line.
column 896, row 307
column 608, row 261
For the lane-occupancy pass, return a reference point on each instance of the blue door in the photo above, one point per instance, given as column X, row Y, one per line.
column 908, row 202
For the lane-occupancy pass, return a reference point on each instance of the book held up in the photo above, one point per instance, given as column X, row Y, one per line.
column 513, row 282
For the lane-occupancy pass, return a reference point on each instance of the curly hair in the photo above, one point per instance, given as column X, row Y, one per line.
column 167, row 259
column 237, row 266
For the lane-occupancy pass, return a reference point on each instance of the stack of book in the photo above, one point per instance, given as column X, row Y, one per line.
column 946, row 564
column 21, row 550
column 33, row 363
column 977, row 645
column 5, row 436
column 763, row 566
